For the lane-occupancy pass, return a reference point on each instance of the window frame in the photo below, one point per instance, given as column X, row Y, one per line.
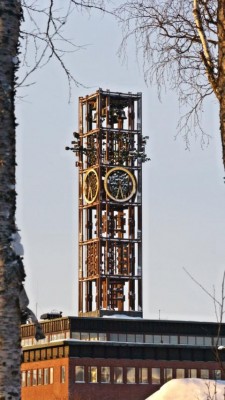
column 81, row 372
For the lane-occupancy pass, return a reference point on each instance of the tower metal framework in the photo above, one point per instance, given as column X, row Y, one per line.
column 110, row 150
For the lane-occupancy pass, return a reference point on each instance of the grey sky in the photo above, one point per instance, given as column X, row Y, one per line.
column 183, row 191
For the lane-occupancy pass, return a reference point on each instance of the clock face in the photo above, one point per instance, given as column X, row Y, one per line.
column 120, row 184
column 91, row 186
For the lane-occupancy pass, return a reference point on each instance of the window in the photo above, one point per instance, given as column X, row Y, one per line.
column 23, row 378
column 34, row 381
column 131, row 375
column 79, row 373
column 180, row 373
column 204, row 373
column 45, row 376
column 93, row 336
column 191, row 340
column 157, row 339
column 148, row 338
column 28, row 378
column 165, row 339
column 131, row 337
column 199, row 340
column 63, row 374
column 76, row 335
column 174, row 339
column 168, row 374
column 113, row 337
column 39, row 376
column 156, row 376
column 92, row 375
column 118, row 375
column 143, row 375
column 217, row 374
column 105, row 374
column 84, row 336
column 139, row 338
column 183, row 340
column 208, row 341
column 192, row 373
column 51, row 375
column 122, row 337
column 102, row 336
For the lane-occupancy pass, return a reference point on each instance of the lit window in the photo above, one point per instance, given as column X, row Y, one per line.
column 204, row 373
column 45, row 376
column 23, row 378
column 155, row 376
column 93, row 336
column 63, row 374
column 105, row 374
column 28, row 378
column 76, row 335
column 143, row 375
column 131, row 375
column 84, row 336
column 39, row 376
column 34, row 381
column 118, row 375
column 92, row 375
column 217, row 374
column 51, row 375
column 180, row 373
column 79, row 373
column 168, row 374
column 192, row 373
column 102, row 337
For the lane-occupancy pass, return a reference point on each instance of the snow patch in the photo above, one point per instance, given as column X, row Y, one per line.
column 190, row 389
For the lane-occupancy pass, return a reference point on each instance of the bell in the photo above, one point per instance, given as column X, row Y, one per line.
column 114, row 117
column 121, row 114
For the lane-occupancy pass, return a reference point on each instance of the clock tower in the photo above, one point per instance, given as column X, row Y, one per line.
column 110, row 150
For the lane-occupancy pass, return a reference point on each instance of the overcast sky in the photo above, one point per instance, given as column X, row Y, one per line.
column 183, row 191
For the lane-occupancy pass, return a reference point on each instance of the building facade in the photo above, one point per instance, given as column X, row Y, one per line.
column 90, row 358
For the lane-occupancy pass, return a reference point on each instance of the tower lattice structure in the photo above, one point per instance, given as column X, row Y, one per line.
column 110, row 150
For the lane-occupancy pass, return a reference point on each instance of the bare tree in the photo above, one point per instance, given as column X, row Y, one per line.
column 219, row 313
column 46, row 43
column 182, row 44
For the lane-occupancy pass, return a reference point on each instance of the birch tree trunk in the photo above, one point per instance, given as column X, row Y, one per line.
column 221, row 70
column 11, row 267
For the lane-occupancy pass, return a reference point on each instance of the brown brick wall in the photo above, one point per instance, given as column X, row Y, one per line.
column 102, row 391
column 55, row 391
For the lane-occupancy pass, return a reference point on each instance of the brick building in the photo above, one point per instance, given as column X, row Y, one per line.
column 91, row 358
